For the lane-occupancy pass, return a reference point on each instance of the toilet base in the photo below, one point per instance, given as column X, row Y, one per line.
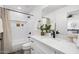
column 27, row 51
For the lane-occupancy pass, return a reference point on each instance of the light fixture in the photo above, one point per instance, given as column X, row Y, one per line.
column 19, row 8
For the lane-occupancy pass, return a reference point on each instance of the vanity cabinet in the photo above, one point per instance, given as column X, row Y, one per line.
column 40, row 48
column 48, row 45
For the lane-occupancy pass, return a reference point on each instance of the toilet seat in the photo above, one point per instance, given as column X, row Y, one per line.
column 26, row 46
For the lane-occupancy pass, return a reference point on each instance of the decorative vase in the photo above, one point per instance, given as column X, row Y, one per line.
column 42, row 33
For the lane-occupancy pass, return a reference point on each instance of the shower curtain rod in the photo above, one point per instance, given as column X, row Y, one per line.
column 17, row 11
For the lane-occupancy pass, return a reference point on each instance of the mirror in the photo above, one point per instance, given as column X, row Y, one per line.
column 45, row 13
column 44, row 25
column 73, row 25
column 49, row 19
column 73, row 22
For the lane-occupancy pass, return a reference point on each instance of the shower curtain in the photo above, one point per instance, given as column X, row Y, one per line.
column 7, row 45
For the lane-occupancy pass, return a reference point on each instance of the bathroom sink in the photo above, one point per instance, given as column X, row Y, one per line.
column 58, row 38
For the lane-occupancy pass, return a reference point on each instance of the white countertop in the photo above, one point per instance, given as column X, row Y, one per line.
column 57, row 43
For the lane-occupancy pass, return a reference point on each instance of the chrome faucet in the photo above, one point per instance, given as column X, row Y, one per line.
column 54, row 32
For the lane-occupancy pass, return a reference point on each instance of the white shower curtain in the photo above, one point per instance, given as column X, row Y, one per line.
column 7, row 45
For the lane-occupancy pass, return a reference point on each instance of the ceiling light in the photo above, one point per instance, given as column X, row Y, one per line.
column 19, row 7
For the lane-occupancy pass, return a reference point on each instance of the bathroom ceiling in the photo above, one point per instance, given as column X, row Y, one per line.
column 51, row 8
column 29, row 8
column 22, row 8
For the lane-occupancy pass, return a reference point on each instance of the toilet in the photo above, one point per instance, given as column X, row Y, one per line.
column 27, row 48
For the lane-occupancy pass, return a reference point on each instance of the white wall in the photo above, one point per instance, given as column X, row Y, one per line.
column 37, row 16
column 1, row 30
column 19, row 34
column 1, row 26
column 60, row 17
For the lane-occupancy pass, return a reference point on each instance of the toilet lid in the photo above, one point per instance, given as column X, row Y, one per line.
column 27, row 44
